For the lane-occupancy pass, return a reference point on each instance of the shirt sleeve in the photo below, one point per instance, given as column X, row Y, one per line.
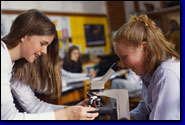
column 8, row 109
column 73, row 75
column 166, row 96
column 29, row 102
column 140, row 112
column 10, row 112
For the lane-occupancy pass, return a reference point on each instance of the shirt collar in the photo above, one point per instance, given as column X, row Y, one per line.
column 8, row 55
column 146, row 79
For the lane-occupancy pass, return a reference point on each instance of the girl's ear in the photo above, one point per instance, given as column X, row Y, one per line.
column 144, row 45
column 23, row 38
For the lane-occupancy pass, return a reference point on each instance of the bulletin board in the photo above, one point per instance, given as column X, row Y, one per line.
column 71, row 30
column 78, row 34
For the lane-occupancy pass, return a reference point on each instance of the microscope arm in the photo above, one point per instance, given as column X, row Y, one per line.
column 122, row 101
column 99, row 84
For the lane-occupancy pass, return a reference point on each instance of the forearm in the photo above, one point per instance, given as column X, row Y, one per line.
column 75, row 113
column 60, row 114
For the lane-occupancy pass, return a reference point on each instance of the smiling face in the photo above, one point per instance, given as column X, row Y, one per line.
column 131, row 57
column 75, row 54
column 34, row 46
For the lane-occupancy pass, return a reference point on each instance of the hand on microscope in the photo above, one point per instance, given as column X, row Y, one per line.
column 76, row 112
column 93, row 104
column 85, row 103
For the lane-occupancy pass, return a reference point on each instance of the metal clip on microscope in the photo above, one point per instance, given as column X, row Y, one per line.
column 121, row 96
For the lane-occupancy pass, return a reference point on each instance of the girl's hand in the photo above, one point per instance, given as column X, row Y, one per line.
column 75, row 113
column 84, row 103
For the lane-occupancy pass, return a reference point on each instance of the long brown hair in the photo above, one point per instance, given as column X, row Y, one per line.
column 43, row 73
column 141, row 28
column 68, row 56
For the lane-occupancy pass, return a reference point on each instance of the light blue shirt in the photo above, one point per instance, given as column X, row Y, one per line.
column 160, row 94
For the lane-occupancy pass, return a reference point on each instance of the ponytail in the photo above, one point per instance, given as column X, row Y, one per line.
column 141, row 28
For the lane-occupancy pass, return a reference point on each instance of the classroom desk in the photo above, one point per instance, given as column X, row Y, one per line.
column 71, row 93
column 76, row 91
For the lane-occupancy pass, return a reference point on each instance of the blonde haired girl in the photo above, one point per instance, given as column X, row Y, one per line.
column 142, row 47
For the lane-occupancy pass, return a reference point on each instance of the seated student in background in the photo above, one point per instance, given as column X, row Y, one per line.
column 68, row 77
column 29, row 60
column 72, row 60
column 141, row 46
column 105, row 62
column 132, row 83
column 174, row 34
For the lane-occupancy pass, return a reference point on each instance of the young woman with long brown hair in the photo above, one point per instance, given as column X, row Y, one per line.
column 29, row 60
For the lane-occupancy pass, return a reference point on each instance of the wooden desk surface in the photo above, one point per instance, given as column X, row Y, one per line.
column 74, row 92
column 71, row 93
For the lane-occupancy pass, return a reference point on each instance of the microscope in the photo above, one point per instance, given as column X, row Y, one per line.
column 121, row 111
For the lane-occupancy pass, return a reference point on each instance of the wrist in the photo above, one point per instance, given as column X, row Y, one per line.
column 61, row 114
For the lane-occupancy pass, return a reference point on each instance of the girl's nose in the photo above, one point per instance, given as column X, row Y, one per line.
column 44, row 50
column 123, row 65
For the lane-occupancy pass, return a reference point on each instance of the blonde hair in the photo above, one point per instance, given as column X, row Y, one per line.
column 141, row 28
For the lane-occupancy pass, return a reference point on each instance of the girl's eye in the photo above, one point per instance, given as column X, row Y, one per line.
column 42, row 44
column 124, row 57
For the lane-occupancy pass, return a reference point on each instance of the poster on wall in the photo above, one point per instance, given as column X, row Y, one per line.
column 64, row 33
column 62, row 26
column 88, row 35
column 94, row 35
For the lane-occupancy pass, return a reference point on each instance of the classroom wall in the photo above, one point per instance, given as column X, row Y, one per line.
column 84, row 7
column 77, row 23
column 91, row 7
column 73, row 24
column 156, row 4
column 130, row 9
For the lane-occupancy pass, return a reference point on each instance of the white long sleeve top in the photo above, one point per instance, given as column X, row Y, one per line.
column 68, row 77
column 35, row 109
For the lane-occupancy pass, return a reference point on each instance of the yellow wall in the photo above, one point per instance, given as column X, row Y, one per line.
column 78, row 32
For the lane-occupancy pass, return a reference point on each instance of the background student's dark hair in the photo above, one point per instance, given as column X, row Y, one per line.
column 44, row 71
column 174, row 25
column 67, row 58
